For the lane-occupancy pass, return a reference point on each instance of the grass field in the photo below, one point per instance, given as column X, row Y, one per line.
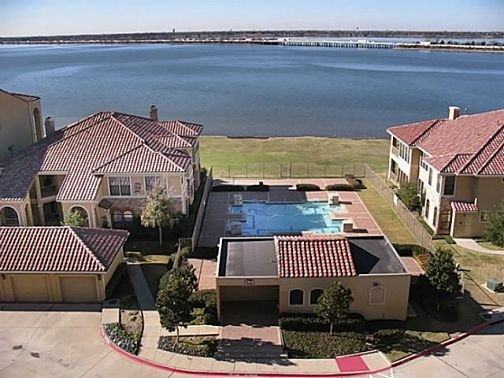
column 219, row 152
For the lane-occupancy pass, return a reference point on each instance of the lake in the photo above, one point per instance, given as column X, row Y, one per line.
column 254, row 90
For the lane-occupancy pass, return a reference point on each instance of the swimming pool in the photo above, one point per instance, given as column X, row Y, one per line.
column 261, row 218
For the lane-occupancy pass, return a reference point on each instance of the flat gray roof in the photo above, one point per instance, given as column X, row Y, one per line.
column 247, row 257
column 374, row 255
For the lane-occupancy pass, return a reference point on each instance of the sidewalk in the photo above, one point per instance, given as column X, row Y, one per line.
column 472, row 244
column 149, row 354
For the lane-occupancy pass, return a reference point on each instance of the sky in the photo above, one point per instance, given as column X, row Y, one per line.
column 66, row 17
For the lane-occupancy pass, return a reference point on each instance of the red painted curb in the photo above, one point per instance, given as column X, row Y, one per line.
column 444, row 344
column 229, row 374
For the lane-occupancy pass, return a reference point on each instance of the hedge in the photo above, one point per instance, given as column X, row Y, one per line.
column 228, row 188
column 354, row 182
column 323, row 345
column 206, row 348
column 373, row 326
column 390, row 335
column 303, row 187
column 116, row 333
column 340, row 188
column 354, row 323
column 258, row 188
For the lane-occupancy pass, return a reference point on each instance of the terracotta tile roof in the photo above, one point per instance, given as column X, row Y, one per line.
column 470, row 144
column 176, row 141
column 183, row 128
column 314, row 256
column 464, row 207
column 104, row 142
column 59, row 249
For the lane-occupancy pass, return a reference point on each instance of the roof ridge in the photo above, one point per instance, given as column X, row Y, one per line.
column 118, row 157
column 485, row 145
column 169, row 159
column 493, row 154
column 180, row 137
column 126, row 127
column 435, row 123
column 86, row 247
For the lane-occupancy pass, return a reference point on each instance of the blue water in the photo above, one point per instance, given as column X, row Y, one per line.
column 263, row 219
column 257, row 90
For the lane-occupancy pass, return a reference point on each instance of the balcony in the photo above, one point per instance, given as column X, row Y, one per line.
column 394, row 151
column 48, row 190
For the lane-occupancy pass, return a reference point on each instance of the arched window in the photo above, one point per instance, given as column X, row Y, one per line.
column 427, row 205
column 83, row 213
column 314, row 296
column 122, row 219
column 8, row 216
column 377, row 295
column 434, row 218
column 296, row 297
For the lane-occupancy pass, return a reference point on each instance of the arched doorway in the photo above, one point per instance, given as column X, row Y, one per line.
column 9, row 216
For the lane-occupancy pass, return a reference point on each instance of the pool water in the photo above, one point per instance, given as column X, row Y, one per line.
column 261, row 219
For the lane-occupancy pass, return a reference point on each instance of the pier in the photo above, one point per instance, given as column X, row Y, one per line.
column 364, row 44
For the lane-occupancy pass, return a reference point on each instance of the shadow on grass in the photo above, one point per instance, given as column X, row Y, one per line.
column 410, row 343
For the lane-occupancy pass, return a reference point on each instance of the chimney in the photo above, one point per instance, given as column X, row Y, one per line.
column 454, row 112
column 49, row 125
column 153, row 113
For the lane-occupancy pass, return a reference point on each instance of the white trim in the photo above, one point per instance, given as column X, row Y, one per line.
column 289, row 298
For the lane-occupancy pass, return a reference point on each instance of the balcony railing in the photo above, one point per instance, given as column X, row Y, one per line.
column 394, row 151
column 49, row 190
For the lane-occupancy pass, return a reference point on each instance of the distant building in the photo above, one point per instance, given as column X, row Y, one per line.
column 102, row 166
column 458, row 164
column 20, row 122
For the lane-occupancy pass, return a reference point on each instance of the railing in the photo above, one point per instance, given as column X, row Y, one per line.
column 407, row 217
column 394, row 151
column 288, row 170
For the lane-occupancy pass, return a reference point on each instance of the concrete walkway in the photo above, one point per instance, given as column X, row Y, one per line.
column 473, row 245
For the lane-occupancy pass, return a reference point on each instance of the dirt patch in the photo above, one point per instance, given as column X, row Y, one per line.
column 132, row 323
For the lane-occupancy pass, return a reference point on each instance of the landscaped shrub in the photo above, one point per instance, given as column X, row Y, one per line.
column 340, row 188
column 373, row 326
column 301, row 322
column 307, row 187
column 389, row 335
column 354, row 182
column 201, row 347
column 210, row 315
column 410, row 249
column 228, row 188
column 204, row 298
column 323, row 345
column 119, row 337
column 258, row 188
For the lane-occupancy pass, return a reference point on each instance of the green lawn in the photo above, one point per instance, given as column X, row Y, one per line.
column 220, row 152
column 385, row 216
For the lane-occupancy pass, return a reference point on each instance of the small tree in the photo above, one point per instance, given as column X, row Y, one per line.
column 334, row 303
column 158, row 212
column 74, row 218
column 407, row 193
column 494, row 232
column 442, row 275
column 173, row 297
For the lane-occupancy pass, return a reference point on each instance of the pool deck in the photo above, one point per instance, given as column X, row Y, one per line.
column 283, row 191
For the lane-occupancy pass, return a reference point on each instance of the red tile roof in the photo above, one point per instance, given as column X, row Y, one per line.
column 24, row 97
column 183, row 128
column 314, row 256
column 104, row 142
column 470, row 144
column 59, row 249
column 464, row 207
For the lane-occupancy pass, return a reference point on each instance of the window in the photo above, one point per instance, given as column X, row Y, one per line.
column 438, row 184
column 434, row 218
column 449, row 186
column 122, row 219
column 119, row 186
column 296, row 297
column 427, row 205
column 8, row 217
column 315, row 295
column 483, row 216
column 152, row 182
column 377, row 295
column 83, row 214
column 430, row 177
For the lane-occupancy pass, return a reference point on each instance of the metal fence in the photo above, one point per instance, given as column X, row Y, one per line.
column 287, row 170
column 407, row 217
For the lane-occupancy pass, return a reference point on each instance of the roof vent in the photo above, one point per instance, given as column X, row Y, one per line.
column 153, row 112
column 454, row 112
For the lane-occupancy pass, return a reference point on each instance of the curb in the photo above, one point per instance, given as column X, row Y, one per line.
column 230, row 374
column 431, row 350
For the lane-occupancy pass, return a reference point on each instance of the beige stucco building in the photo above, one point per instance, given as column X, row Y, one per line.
column 458, row 165
column 294, row 270
column 102, row 166
column 20, row 122
column 58, row 264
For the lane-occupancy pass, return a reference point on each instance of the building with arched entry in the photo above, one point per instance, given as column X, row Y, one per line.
column 20, row 122
column 103, row 167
